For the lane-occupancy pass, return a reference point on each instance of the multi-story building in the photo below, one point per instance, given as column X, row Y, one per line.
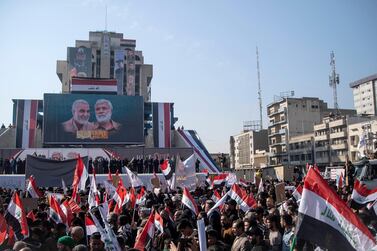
column 301, row 150
column 247, row 149
column 364, row 131
column 107, row 55
column 365, row 95
column 290, row 117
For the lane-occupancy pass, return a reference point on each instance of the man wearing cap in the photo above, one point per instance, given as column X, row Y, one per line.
column 65, row 243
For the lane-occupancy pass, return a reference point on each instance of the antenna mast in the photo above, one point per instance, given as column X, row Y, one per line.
column 334, row 80
column 259, row 93
column 106, row 19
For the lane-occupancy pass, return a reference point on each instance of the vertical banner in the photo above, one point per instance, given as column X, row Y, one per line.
column 161, row 113
column 79, row 62
column 119, row 70
column 26, row 123
column 130, row 80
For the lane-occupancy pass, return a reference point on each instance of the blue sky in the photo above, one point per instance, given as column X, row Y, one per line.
column 203, row 52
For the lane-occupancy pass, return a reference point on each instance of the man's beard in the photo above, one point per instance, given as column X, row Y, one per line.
column 81, row 120
column 103, row 118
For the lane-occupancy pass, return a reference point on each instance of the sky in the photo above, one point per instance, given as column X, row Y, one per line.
column 203, row 52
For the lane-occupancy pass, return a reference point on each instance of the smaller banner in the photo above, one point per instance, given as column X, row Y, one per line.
column 161, row 113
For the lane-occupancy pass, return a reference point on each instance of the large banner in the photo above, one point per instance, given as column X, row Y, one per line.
column 119, row 69
column 162, row 117
column 93, row 119
column 26, row 121
column 79, row 62
column 50, row 173
column 129, row 86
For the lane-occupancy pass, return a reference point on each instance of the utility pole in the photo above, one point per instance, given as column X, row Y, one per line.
column 333, row 81
column 259, row 93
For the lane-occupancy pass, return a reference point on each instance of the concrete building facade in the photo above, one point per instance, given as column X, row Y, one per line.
column 301, row 150
column 248, row 149
column 365, row 95
column 104, row 47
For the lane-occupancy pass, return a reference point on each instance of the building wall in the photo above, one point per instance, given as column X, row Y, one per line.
column 365, row 95
column 356, row 132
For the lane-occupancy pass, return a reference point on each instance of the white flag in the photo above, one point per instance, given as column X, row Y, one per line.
column 202, row 235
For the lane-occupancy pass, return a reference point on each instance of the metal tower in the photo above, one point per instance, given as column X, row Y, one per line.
column 334, row 80
column 259, row 93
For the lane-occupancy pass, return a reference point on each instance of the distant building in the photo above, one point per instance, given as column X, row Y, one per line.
column 290, row 117
column 247, row 149
column 365, row 131
column 107, row 55
column 301, row 150
column 365, row 95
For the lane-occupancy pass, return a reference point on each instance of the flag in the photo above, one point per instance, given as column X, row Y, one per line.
column 339, row 181
column 215, row 196
column 132, row 197
column 244, row 200
column 202, row 235
column 260, row 187
column 140, row 198
column 3, row 229
column 33, row 189
column 90, row 226
column 161, row 122
column 74, row 206
column 109, row 188
column 56, row 213
column 220, row 203
column 361, row 194
column 219, row 180
column 243, row 182
column 93, row 197
column 80, row 177
column 325, row 220
column 166, row 169
column 134, row 179
column 120, row 198
column 297, row 193
column 65, row 206
column 158, row 222
column 31, row 215
column 16, row 217
column 146, row 235
column 189, row 201
column 26, row 122
column 109, row 177
column 110, row 233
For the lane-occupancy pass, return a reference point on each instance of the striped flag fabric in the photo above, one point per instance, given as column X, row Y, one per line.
column 146, row 235
column 3, row 229
column 31, row 215
column 297, row 193
column 93, row 197
column 215, row 196
column 243, row 182
column 56, row 213
column 16, row 217
column 32, row 188
column 66, row 208
column 260, row 186
column 90, row 226
column 140, row 198
column 166, row 169
column 189, row 201
column 361, row 194
column 81, row 176
column 158, row 222
column 26, row 112
column 245, row 201
column 134, row 179
column 340, row 181
column 220, row 203
column 93, row 85
column 219, row 180
column 325, row 220
column 161, row 115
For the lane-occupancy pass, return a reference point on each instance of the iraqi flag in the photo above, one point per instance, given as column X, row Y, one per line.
column 246, row 201
column 297, row 193
column 166, row 169
column 325, row 220
column 361, row 194
column 66, row 208
column 340, row 181
column 141, row 197
column 158, row 222
column 26, row 111
column 189, row 201
column 162, row 116
column 146, row 235
column 16, row 217
column 215, row 196
column 32, row 188
column 80, row 177
column 56, row 213
column 134, row 179
column 90, row 226
column 219, row 180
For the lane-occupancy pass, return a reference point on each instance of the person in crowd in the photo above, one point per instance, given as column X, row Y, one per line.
column 241, row 242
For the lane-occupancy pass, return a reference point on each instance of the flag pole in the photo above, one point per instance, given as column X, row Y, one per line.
column 346, row 170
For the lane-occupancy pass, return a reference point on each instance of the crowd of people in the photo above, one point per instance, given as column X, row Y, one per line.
column 266, row 226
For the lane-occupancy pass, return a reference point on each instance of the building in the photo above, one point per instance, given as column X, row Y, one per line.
column 247, row 149
column 364, row 131
column 290, row 117
column 301, row 150
column 107, row 55
column 365, row 95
